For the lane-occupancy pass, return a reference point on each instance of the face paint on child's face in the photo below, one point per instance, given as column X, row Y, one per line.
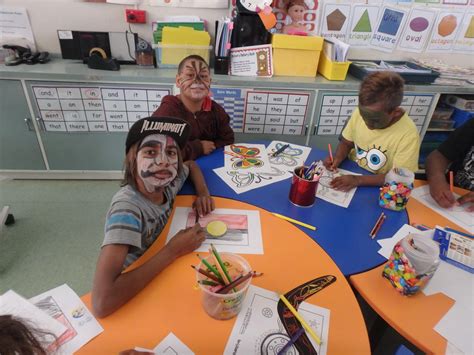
column 194, row 81
column 157, row 161
column 375, row 119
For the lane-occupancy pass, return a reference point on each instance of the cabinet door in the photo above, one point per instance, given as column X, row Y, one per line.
column 84, row 125
column 19, row 148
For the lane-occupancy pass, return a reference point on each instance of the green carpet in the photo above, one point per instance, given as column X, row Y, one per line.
column 56, row 237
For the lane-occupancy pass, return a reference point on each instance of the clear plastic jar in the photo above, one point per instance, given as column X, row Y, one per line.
column 396, row 190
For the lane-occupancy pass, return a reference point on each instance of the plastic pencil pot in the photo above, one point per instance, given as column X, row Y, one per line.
column 222, row 302
column 302, row 190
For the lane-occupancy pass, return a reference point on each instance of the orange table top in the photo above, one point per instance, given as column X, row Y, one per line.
column 171, row 304
column 413, row 317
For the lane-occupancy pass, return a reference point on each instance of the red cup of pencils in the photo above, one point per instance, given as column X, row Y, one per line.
column 223, row 300
column 303, row 187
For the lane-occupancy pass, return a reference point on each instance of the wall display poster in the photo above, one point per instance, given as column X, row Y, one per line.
column 455, row 2
column 310, row 19
column 95, row 109
column 464, row 42
column 444, row 31
column 233, row 102
column 428, row 1
column 417, row 30
column 363, row 21
column 252, row 61
column 389, row 27
column 335, row 20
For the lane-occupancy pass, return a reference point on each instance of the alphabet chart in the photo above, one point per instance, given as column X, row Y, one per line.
column 95, row 108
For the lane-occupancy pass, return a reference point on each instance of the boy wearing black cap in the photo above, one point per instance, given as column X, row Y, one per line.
column 154, row 174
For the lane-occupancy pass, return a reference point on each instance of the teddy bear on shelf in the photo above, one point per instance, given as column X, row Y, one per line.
column 295, row 10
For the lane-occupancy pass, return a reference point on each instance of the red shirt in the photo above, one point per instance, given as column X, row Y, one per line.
column 211, row 123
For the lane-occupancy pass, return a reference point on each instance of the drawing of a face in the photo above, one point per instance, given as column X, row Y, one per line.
column 373, row 158
column 194, row 81
column 157, row 161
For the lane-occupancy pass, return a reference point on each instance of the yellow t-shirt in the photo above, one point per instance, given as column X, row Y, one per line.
column 379, row 150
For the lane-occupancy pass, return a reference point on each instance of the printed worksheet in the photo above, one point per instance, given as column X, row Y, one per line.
column 246, row 157
column 64, row 305
column 170, row 345
column 242, row 230
column 327, row 193
column 289, row 158
column 259, row 330
column 456, row 214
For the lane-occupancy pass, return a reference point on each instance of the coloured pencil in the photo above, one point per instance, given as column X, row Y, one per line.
column 281, row 150
column 376, row 224
column 219, row 260
column 379, row 226
column 208, row 274
column 219, row 267
column 330, row 153
column 235, row 283
column 210, row 267
column 208, row 283
column 451, row 181
column 294, row 221
column 301, row 319
column 293, row 340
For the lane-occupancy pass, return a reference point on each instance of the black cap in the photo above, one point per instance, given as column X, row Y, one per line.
column 175, row 128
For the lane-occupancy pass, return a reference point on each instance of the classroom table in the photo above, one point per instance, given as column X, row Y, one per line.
column 170, row 303
column 342, row 232
column 413, row 317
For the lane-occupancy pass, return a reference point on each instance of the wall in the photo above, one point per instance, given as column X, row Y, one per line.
column 48, row 16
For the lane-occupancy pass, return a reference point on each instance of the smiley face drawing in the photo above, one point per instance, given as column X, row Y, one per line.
column 373, row 159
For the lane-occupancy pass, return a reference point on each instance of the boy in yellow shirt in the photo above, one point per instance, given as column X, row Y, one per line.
column 379, row 134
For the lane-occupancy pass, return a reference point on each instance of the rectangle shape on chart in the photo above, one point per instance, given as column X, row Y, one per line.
column 137, row 106
column 45, row 104
column 275, row 120
column 55, row 126
column 52, row 115
column 117, row 126
column 255, row 119
column 294, row 120
column 250, row 128
column 352, row 100
column 91, row 93
column 408, row 100
column 273, row 129
column 422, row 100
column 69, row 93
column 346, row 111
column 418, row 120
column 276, row 110
column 257, row 109
column 153, row 106
column 112, row 94
column 116, row 116
column 114, row 105
column 71, row 105
column 157, row 95
column 74, row 116
column 135, row 116
column 95, row 115
column 296, row 110
column 326, row 130
column 342, row 120
column 329, row 100
column 77, row 127
column 45, row 93
column 298, row 99
column 257, row 97
column 97, row 126
column 278, row 99
column 93, row 105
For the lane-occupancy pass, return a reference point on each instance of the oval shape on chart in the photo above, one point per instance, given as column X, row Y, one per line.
column 419, row 24
column 447, row 25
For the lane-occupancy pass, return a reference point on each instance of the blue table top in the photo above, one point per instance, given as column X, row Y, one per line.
column 342, row 232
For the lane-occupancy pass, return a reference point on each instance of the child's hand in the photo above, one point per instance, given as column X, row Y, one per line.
column 468, row 200
column 208, row 147
column 203, row 205
column 331, row 166
column 345, row 182
column 442, row 194
column 187, row 240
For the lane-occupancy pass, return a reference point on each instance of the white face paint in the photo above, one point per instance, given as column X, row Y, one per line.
column 157, row 161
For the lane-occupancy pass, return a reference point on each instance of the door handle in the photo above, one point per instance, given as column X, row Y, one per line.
column 28, row 124
column 41, row 124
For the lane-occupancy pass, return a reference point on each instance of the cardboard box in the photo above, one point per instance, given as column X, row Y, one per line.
column 296, row 55
column 169, row 55
column 332, row 70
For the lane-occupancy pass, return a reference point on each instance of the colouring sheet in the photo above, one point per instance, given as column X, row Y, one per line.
column 327, row 193
column 293, row 156
column 258, row 329
column 246, row 157
column 389, row 27
column 243, row 235
column 456, row 214
column 170, row 345
column 464, row 42
column 363, row 21
column 64, row 305
column 335, row 20
column 445, row 31
column 417, row 31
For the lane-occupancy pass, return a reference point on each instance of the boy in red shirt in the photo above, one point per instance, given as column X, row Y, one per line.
column 209, row 122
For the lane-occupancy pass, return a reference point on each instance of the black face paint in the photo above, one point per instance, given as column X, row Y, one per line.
column 375, row 119
column 197, row 72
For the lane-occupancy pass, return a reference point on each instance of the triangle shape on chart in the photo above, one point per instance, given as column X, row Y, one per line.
column 470, row 29
column 363, row 25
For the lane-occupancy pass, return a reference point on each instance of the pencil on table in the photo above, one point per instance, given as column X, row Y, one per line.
column 294, row 221
column 301, row 319
column 293, row 340
column 376, row 224
column 451, row 181
column 330, row 153
column 379, row 226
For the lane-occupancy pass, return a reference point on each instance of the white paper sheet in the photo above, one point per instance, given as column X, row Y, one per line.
column 170, row 345
column 15, row 27
column 12, row 303
column 388, row 243
column 292, row 157
column 258, row 328
column 457, row 326
column 243, row 223
column 246, row 157
column 245, row 181
column 63, row 304
column 327, row 193
column 456, row 214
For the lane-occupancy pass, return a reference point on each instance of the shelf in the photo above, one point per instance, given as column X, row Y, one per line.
column 440, row 129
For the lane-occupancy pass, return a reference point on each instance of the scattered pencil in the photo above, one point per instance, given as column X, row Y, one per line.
column 281, row 150
column 300, row 319
column 294, row 221
column 293, row 340
column 377, row 225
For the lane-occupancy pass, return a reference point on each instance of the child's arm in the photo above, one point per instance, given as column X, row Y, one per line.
column 225, row 134
column 347, row 182
column 342, row 152
column 112, row 288
column 204, row 203
column 436, row 166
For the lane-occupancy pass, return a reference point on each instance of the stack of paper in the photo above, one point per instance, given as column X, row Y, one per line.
column 388, row 243
column 185, row 35
column 336, row 50
column 169, row 345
